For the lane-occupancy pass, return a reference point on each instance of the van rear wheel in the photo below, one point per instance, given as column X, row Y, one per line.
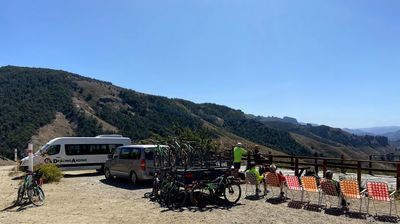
column 133, row 177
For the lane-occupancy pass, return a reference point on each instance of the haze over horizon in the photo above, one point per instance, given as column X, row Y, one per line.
column 333, row 63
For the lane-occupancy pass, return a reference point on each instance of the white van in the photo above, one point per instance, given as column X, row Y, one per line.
column 78, row 153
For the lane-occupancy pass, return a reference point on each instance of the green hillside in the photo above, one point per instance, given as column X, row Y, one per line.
column 31, row 98
column 334, row 141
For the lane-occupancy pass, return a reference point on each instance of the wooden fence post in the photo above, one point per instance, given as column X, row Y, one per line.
column 291, row 159
column 342, row 163
column 359, row 173
column 296, row 167
column 398, row 177
column 232, row 154
column 30, row 154
column 370, row 165
column 248, row 160
column 316, row 164
column 324, row 167
column 16, row 160
column 220, row 160
column 270, row 158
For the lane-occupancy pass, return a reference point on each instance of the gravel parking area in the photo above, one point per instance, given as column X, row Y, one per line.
column 86, row 197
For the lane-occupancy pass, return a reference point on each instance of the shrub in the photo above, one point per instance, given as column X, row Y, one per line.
column 50, row 172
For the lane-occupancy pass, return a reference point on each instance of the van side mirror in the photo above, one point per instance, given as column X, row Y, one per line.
column 109, row 156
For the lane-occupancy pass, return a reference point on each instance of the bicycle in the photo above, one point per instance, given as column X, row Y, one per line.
column 172, row 192
column 31, row 189
column 202, row 192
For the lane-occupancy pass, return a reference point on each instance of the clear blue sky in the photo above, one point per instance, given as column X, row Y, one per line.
column 327, row 62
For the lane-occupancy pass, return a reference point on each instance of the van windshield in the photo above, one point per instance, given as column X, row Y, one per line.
column 42, row 150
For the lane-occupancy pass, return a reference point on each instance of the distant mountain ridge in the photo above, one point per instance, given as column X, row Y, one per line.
column 39, row 104
column 393, row 136
column 357, row 132
column 275, row 119
column 377, row 130
column 334, row 141
column 391, row 132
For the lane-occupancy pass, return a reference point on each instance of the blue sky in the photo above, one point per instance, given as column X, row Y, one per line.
column 327, row 62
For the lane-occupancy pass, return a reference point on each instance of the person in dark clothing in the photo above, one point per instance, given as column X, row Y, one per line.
column 258, row 158
column 329, row 176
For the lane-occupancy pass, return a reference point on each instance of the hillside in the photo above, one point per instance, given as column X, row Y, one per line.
column 40, row 104
column 396, row 144
column 6, row 162
column 334, row 141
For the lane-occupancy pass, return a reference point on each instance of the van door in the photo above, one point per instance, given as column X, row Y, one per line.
column 129, row 160
column 112, row 163
column 149, row 155
column 136, row 154
column 124, row 162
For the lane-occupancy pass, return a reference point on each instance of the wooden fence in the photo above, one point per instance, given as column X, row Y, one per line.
column 301, row 163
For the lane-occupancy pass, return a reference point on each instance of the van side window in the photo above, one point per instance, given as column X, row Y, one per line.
column 116, row 154
column 125, row 153
column 53, row 150
column 135, row 153
column 112, row 147
column 149, row 154
column 90, row 149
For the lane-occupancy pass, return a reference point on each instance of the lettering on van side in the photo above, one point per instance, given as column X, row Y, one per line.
column 73, row 160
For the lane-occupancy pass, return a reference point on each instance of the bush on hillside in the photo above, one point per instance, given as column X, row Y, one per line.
column 50, row 172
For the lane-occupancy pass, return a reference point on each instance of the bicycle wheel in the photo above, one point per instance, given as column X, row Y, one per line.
column 200, row 195
column 164, row 191
column 156, row 188
column 20, row 195
column 232, row 193
column 36, row 195
column 178, row 195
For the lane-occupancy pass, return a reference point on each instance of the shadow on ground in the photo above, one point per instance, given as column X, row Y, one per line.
column 127, row 185
column 218, row 204
column 254, row 197
column 94, row 174
column 334, row 211
column 386, row 218
column 356, row 215
column 295, row 204
column 18, row 177
column 276, row 200
column 312, row 207
column 18, row 207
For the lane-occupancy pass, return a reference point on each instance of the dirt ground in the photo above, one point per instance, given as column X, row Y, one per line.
column 86, row 197
column 6, row 162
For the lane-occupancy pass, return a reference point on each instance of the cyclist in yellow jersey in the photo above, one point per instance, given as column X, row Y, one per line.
column 259, row 178
column 238, row 152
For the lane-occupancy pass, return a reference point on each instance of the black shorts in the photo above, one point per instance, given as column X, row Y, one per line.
column 237, row 165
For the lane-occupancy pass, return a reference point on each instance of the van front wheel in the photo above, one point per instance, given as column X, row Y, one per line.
column 133, row 177
column 107, row 174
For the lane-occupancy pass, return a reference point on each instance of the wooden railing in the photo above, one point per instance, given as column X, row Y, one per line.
column 298, row 163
